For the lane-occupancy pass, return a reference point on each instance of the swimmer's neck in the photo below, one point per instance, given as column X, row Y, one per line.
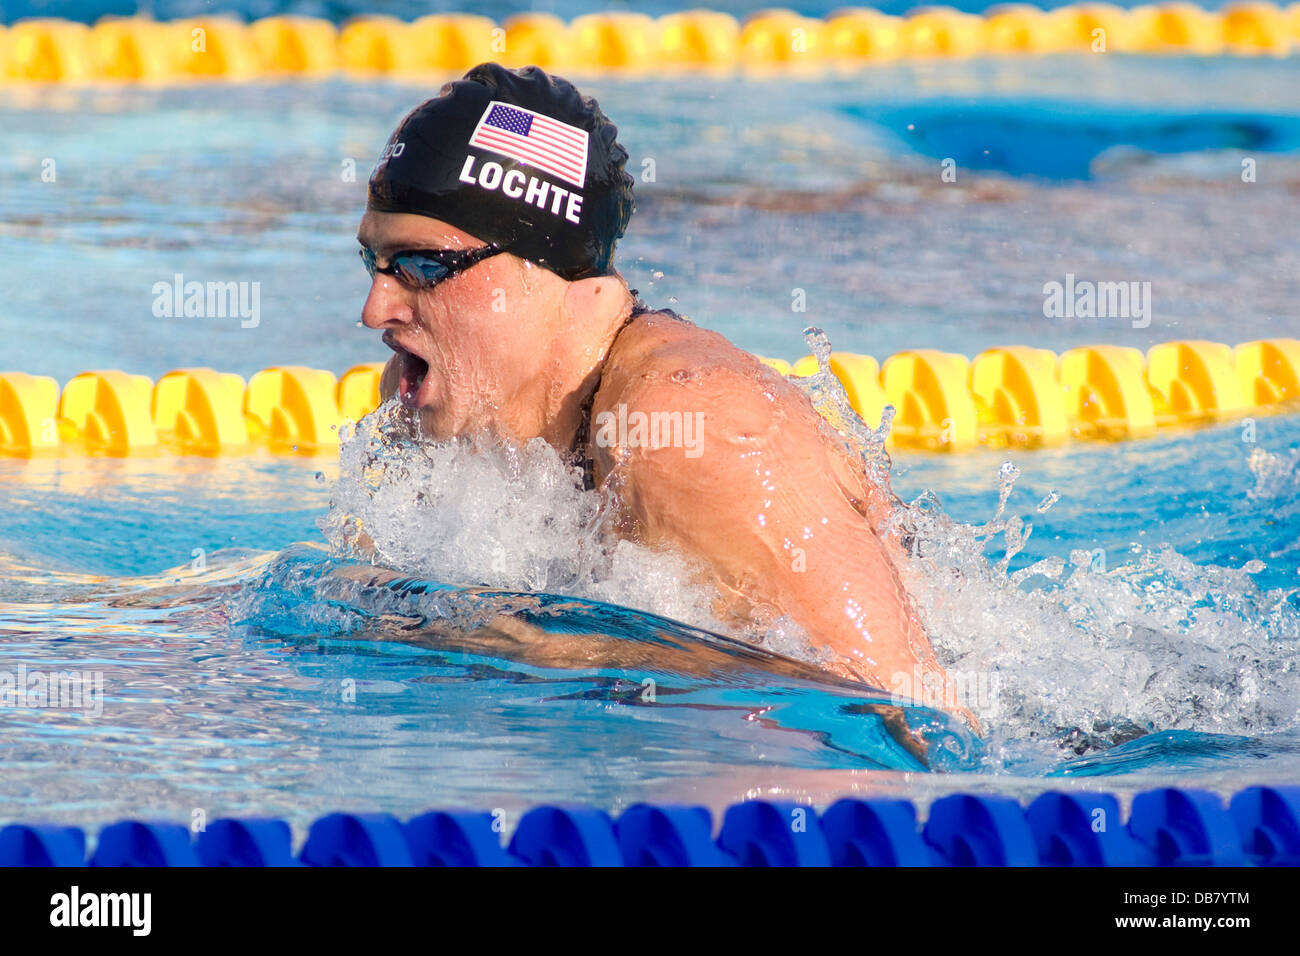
column 555, row 405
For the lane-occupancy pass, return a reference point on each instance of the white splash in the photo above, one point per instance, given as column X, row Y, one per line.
column 1076, row 651
column 491, row 513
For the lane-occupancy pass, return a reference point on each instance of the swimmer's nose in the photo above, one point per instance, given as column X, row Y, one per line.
column 387, row 306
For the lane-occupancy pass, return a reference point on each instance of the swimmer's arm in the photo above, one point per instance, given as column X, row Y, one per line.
column 761, row 505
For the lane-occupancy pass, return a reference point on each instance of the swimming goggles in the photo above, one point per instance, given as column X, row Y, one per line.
column 425, row 268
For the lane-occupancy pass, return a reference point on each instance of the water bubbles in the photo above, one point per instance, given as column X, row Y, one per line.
column 1017, row 532
column 320, row 477
column 819, row 345
column 1276, row 476
column 479, row 511
column 887, row 420
column 1007, row 475
column 1046, row 504
column 1157, row 642
column 830, row 400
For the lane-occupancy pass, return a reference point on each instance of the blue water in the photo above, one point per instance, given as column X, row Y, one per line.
column 1058, row 139
column 246, row 670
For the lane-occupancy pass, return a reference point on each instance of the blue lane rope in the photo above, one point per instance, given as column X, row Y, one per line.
column 1167, row 827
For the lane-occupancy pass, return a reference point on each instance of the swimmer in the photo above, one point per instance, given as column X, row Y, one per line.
column 489, row 236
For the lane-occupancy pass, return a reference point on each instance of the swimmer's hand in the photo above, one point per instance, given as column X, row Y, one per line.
column 934, row 678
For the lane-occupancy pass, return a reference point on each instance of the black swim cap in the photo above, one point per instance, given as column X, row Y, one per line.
column 518, row 158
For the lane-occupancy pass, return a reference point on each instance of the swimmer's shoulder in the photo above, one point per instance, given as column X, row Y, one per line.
column 661, row 342
column 663, row 361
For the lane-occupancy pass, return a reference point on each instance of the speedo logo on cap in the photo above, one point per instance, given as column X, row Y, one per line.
column 547, row 144
column 391, row 151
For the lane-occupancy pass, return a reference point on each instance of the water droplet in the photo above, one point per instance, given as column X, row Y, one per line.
column 819, row 345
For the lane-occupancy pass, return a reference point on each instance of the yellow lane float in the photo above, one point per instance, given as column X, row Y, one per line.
column 292, row 409
column 863, row 34
column 200, row 412
column 1106, row 392
column 28, row 404
column 931, row 391
column 537, row 38
column 1194, row 380
column 1018, row 397
column 699, row 39
column 138, row 49
column 108, row 413
column 1012, row 396
column 1269, row 371
column 357, row 394
column 296, row 45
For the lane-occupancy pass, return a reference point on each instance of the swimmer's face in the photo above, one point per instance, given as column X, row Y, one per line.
column 471, row 347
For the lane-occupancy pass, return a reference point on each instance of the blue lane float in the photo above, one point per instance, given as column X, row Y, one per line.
column 669, row 836
column 759, row 833
column 1186, row 828
column 357, row 839
column 246, row 843
column 42, row 846
column 980, row 831
column 566, row 836
column 457, row 839
column 875, row 833
column 136, row 843
column 1166, row 827
column 1268, row 820
column 1083, row 829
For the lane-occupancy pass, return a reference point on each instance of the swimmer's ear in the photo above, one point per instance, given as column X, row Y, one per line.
column 599, row 300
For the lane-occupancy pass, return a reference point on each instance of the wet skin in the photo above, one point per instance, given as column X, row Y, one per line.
column 772, row 507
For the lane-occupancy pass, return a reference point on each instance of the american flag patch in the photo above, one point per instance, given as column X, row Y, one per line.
column 532, row 138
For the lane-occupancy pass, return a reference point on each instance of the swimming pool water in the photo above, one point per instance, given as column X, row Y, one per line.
column 178, row 578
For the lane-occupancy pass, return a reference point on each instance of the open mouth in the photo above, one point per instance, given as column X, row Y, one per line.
column 414, row 371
